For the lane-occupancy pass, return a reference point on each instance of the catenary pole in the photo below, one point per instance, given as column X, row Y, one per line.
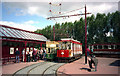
column 54, row 32
column 85, row 37
column 25, row 51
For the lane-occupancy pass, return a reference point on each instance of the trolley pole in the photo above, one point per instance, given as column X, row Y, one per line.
column 25, row 51
column 85, row 37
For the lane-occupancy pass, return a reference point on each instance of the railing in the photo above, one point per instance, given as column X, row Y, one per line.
column 105, row 46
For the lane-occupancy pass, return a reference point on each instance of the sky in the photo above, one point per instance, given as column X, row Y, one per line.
column 31, row 14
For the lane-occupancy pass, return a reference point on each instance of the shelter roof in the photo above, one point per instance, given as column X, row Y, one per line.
column 10, row 32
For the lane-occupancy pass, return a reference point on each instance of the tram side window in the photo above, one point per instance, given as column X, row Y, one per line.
column 48, row 50
column 106, row 47
column 69, row 46
column 63, row 47
column 118, row 47
column 60, row 46
column 112, row 46
column 99, row 47
column 95, row 47
column 56, row 45
column 109, row 46
column 52, row 50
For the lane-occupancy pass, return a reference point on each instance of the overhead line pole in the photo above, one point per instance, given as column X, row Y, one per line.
column 54, row 32
column 85, row 37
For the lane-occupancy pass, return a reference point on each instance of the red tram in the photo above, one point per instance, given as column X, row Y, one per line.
column 69, row 49
column 106, row 50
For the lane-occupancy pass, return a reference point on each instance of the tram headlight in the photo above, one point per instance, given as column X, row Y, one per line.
column 62, row 53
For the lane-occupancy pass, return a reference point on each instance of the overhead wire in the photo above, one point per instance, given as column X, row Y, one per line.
column 72, row 10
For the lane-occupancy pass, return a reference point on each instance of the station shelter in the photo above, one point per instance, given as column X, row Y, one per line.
column 14, row 38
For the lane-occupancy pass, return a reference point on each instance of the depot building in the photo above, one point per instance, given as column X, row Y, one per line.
column 14, row 38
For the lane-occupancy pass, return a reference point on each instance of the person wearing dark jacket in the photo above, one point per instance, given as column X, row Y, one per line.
column 44, row 53
column 17, row 53
column 34, row 55
column 93, row 60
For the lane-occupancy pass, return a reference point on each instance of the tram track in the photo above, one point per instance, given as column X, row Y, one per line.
column 32, row 69
column 52, row 70
column 42, row 69
column 47, row 69
column 25, row 70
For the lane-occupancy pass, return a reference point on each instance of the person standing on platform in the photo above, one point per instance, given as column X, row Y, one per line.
column 17, row 53
column 92, row 50
column 28, row 56
column 41, row 54
column 92, row 60
column 31, row 59
column 23, row 53
column 44, row 53
column 38, row 55
column 88, row 51
column 34, row 55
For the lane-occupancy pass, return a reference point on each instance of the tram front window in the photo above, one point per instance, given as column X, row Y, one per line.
column 65, row 46
column 48, row 50
column 53, row 50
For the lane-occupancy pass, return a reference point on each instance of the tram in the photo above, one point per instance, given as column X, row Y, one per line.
column 51, row 50
column 65, row 49
column 106, row 50
column 69, row 49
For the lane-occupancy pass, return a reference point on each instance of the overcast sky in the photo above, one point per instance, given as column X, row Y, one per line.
column 31, row 14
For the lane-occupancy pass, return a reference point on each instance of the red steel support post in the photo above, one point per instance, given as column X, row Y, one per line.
column 25, row 51
column 41, row 45
column 85, row 37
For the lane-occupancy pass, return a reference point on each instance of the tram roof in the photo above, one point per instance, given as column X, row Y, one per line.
column 10, row 32
column 52, row 42
column 71, row 39
column 64, row 39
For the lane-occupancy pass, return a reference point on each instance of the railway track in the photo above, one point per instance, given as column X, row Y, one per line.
column 41, row 69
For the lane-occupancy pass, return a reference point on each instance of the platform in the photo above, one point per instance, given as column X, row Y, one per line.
column 106, row 66
column 12, row 68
